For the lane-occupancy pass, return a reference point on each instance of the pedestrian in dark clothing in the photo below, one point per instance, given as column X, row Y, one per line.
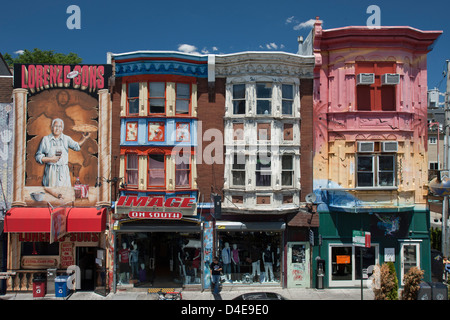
column 216, row 269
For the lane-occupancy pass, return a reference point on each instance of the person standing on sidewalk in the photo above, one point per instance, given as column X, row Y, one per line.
column 216, row 269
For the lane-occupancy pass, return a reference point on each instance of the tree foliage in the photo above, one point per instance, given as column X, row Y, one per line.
column 43, row 56
column 388, row 288
column 412, row 283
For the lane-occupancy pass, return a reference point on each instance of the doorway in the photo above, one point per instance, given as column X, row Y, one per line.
column 410, row 257
column 298, row 265
column 86, row 263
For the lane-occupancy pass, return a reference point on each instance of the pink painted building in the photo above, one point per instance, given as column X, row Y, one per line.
column 370, row 147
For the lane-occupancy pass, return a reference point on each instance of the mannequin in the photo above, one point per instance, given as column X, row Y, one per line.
column 181, row 258
column 142, row 274
column 134, row 255
column 226, row 261
column 124, row 266
column 196, row 261
column 256, row 269
column 268, row 259
column 235, row 261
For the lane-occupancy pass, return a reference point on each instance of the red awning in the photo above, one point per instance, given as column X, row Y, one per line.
column 38, row 220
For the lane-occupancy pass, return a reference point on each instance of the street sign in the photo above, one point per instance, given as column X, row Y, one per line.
column 361, row 239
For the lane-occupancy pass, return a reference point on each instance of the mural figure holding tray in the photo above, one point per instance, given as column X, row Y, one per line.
column 53, row 151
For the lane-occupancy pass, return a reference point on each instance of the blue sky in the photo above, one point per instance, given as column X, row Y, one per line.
column 210, row 26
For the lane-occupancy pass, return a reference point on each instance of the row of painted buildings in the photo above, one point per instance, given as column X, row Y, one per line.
column 268, row 160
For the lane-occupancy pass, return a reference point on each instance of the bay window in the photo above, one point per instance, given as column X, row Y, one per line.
column 239, row 99
column 133, row 98
column 263, row 98
column 132, row 170
column 156, row 170
column 287, row 170
column 157, row 97
column 263, row 170
column 287, row 99
column 182, row 171
column 183, row 97
column 238, row 170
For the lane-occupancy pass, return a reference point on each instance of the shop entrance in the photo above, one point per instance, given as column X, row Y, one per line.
column 86, row 263
column 158, row 259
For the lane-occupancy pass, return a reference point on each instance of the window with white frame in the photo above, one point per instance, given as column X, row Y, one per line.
column 238, row 169
column 376, row 170
column 287, row 99
column 263, row 170
column 287, row 170
column 264, row 98
column 239, row 99
column 432, row 140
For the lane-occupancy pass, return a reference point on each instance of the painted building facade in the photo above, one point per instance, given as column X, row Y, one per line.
column 61, row 152
column 155, row 106
column 370, row 148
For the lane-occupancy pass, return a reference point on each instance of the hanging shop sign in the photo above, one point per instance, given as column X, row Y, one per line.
column 361, row 238
column 144, row 207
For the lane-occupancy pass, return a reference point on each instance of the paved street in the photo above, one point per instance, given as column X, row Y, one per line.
column 225, row 294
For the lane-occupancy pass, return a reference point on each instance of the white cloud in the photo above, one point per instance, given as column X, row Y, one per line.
column 290, row 20
column 215, row 49
column 19, row 52
column 305, row 24
column 271, row 46
column 187, row 48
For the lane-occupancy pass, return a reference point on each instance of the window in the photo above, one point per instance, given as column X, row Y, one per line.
column 133, row 98
column 132, row 170
column 287, row 98
column 239, row 99
column 182, row 171
column 183, row 132
column 375, row 170
column 156, row 169
column 263, row 170
column 433, row 166
column 432, row 140
column 264, row 98
column 287, row 170
column 238, row 170
column 40, row 248
column 375, row 97
column 183, row 95
column 157, row 97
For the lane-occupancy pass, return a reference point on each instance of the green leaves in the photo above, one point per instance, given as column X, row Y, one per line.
column 39, row 56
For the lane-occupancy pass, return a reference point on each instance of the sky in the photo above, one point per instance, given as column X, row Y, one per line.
column 206, row 26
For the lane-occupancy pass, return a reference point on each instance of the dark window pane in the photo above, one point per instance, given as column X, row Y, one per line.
column 287, row 107
column 263, row 90
column 239, row 91
column 239, row 107
column 287, row 91
column 365, row 179
column 263, row 107
column 133, row 89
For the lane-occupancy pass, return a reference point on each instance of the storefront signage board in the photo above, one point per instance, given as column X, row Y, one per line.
column 361, row 238
column 155, row 215
column 154, row 207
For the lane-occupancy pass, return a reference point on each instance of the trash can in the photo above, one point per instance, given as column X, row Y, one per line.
column 424, row 292
column 39, row 287
column 439, row 291
column 61, row 286
column 320, row 273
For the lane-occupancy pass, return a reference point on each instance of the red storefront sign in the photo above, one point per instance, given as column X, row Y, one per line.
column 159, row 202
column 155, row 215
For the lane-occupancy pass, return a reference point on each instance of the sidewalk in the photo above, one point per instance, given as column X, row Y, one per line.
column 225, row 294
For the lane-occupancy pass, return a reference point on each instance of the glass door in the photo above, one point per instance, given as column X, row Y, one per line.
column 410, row 257
column 101, row 276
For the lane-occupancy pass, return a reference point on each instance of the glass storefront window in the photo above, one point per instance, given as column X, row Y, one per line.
column 341, row 263
column 158, row 259
column 250, row 257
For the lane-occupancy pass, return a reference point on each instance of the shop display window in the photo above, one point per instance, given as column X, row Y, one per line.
column 158, row 259
column 250, row 258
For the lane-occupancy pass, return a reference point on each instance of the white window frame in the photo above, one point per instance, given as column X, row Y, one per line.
column 233, row 170
column 376, row 169
column 233, row 99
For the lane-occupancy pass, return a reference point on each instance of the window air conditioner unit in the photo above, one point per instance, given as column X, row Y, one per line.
column 390, row 79
column 365, row 146
column 389, row 146
column 365, row 79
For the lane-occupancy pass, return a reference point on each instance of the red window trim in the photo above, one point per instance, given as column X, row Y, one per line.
column 190, row 99
column 189, row 170
column 163, row 135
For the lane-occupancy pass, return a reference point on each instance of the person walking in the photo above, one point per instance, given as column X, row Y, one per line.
column 216, row 269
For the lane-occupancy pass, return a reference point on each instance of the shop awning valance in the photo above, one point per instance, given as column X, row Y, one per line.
column 38, row 220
